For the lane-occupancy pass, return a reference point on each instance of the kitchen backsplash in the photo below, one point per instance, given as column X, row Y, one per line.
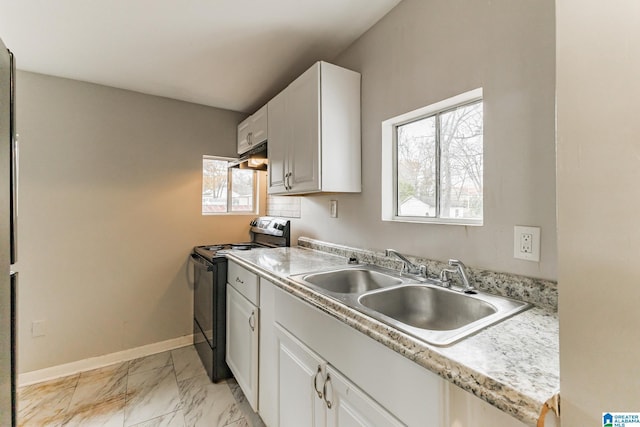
column 284, row 206
column 540, row 292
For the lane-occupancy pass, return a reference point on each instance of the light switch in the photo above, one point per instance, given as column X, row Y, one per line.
column 38, row 328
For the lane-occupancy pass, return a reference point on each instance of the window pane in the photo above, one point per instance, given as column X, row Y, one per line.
column 214, row 185
column 461, row 162
column 242, row 190
column 416, row 151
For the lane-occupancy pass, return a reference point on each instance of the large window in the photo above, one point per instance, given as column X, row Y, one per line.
column 227, row 190
column 435, row 168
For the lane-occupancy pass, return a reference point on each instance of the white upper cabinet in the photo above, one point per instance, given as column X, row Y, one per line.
column 243, row 135
column 314, row 133
column 253, row 130
column 277, row 150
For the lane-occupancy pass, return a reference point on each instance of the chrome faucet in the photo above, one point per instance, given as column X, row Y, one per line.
column 460, row 267
column 445, row 281
column 408, row 267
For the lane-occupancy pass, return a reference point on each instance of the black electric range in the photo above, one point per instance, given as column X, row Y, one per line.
column 210, row 291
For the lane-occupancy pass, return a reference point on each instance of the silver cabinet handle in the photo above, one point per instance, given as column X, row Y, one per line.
column 324, row 391
column 315, row 382
column 287, row 185
column 252, row 325
column 250, row 138
column 239, row 281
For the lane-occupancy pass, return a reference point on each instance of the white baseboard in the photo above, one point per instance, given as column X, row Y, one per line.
column 53, row 372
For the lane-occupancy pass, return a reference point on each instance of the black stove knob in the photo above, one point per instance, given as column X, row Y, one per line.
column 253, row 223
column 280, row 226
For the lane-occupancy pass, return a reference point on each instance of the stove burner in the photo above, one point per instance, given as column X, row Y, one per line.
column 211, row 252
column 241, row 247
column 265, row 232
column 214, row 247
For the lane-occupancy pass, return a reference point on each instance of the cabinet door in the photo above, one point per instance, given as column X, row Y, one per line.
column 303, row 113
column 243, row 135
column 259, row 124
column 242, row 343
column 278, row 140
column 300, row 380
column 347, row 406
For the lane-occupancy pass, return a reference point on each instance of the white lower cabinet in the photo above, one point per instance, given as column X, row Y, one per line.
column 242, row 343
column 466, row 410
column 317, row 371
column 300, row 380
column 310, row 361
column 350, row 407
column 314, row 393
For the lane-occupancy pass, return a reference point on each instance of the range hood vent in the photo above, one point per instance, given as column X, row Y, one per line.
column 256, row 159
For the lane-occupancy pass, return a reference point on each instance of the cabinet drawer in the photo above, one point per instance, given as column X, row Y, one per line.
column 244, row 282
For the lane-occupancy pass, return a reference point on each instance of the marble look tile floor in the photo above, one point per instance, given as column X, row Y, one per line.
column 169, row 389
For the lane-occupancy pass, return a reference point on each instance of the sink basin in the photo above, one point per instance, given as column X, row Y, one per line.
column 434, row 314
column 418, row 307
column 351, row 280
column 428, row 307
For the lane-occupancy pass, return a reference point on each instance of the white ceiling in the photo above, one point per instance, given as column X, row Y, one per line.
column 232, row 54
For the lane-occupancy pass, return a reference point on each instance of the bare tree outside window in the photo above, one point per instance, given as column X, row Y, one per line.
column 461, row 162
column 440, row 164
column 226, row 190
column 416, row 153
column 242, row 183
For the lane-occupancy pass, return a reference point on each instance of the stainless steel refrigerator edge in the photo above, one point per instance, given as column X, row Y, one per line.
column 8, row 205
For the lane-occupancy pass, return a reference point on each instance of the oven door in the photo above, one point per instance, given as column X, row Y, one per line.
column 203, row 296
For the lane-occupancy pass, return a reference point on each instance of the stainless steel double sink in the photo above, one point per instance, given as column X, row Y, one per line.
column 419, row 307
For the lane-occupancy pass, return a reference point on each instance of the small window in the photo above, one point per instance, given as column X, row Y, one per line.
column 227, row 190
column 433, row 170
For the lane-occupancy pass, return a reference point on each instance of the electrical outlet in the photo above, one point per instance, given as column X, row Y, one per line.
column 38, row 328
column 334, row 209
column 526, row 243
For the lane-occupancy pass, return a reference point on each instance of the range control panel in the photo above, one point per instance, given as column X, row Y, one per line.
column 271, row 225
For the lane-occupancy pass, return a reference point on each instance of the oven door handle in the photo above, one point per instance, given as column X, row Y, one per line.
column 200, row 262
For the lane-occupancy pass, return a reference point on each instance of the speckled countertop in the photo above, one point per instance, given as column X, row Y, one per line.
column 513, row 365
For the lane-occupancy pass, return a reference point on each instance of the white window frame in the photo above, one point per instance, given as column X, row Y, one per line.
column 256, row 183
column 389, row 173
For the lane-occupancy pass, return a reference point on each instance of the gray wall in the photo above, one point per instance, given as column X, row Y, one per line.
column 426, row 51
column 598, row 231
column 110, row 184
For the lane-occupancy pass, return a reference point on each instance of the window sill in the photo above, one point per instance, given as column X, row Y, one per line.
column 437, row 221
column 229, row 213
